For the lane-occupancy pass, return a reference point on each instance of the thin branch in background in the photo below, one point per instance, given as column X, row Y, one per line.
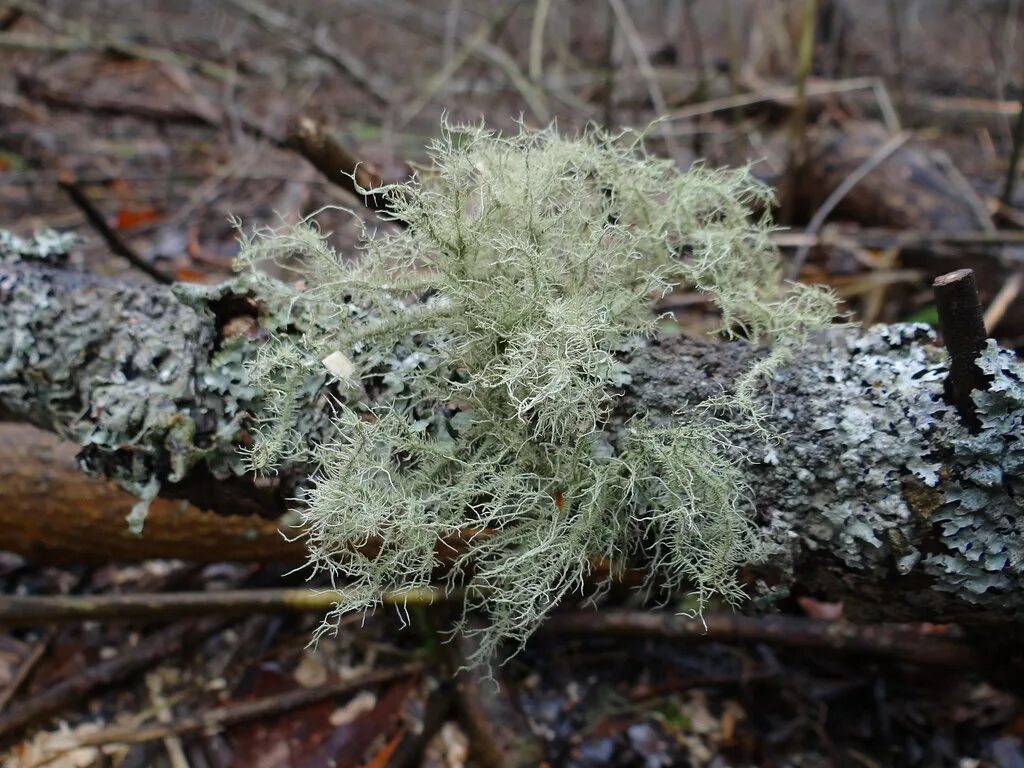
column 29, row 610
column 112, row 238
column 540, row 18
column 775, row 93
column 1012, row 171
column 1007, row 295
column 697, row 44
column 647, row 72
column 39, row 649
column 348, row 64
column 153, row 648
column 241, row 712
column 452, row 64
column 818, row 219
column 81, row 36
column 914, row 643
column 797, row 135
column 897, row 21
column 451, row 29
column 426, row 22
column 609, row 69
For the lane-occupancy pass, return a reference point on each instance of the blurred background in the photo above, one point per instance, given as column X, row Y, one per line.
column 891, row 131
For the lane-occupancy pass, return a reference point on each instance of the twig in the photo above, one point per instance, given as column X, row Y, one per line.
column 963, row 331
column 315, row 142
column 426, row 92
column 1012, row 170
column 905, row 642
column 275, row 21
column 27, row 665
column 889, row 238
column 797, row 132
column 646, row 71
column 151, row 649
column 80, row 36
column 425, row 21
column 113, row 240
column 778, row 93
column 818, row 219
column 1007, row 295
column 25, row 610
column 540, row 18
column 172, row 742
column 501, row 736
column 222, row 717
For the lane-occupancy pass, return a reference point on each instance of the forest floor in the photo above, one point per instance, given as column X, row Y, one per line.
column 167, row 120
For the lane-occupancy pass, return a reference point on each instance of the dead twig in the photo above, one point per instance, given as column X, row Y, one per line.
column 818, row 219
column 315, row 142
column 646, row 71
column 78, row 36
column 219, row 718
column 27, row 665
column 963, row 331
column 276, row 22
column 29, row 610
column 1007, row 295
column 112, row 239
column 151, row 649
column 919, row 644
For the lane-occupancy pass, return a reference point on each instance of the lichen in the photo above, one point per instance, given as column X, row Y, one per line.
column 982, row 521
column 486, row 340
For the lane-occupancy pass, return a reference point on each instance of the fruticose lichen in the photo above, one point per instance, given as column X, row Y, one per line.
column 477, row 353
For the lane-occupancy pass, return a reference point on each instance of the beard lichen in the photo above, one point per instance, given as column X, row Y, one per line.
column 478, row 352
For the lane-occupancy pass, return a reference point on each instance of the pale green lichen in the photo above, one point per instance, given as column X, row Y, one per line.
column 486, row 336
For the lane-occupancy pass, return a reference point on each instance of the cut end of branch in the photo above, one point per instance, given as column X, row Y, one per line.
column 963, row 331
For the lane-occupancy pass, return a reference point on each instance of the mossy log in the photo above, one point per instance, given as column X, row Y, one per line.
column 878, row 495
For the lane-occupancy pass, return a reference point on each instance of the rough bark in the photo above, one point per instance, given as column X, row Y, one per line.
column 878, row 495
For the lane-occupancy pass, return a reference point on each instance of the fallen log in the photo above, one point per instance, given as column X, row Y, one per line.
column 878, row 496
column 53, row 513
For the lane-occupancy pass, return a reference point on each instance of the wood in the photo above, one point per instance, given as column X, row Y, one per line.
column 919, row 644
column 315, row 142
column 963, row 330
column 53, row 513
column 75, row 336
column 29, row 610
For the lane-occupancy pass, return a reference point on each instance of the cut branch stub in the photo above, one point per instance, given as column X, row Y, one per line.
column 963, row 331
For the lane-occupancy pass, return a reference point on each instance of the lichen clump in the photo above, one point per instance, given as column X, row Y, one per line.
column 478, row 352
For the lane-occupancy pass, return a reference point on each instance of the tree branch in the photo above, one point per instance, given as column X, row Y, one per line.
column 878, row 495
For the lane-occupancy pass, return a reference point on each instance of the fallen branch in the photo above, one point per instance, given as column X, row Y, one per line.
column 853, row 503
column 53, row 513
column 922, row 644
column 219, row 718
column 29, row 610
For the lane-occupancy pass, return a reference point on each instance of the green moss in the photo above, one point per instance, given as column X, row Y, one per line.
column 485, row 338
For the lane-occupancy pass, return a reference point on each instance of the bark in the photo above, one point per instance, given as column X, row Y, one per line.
column 878, row 495
column 51, row 512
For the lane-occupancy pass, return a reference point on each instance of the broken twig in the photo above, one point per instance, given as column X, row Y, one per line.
column 963, row 331
column 112, row 239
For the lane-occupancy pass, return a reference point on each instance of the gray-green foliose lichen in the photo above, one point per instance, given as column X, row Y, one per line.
column 882, row 476
column 94, row 360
